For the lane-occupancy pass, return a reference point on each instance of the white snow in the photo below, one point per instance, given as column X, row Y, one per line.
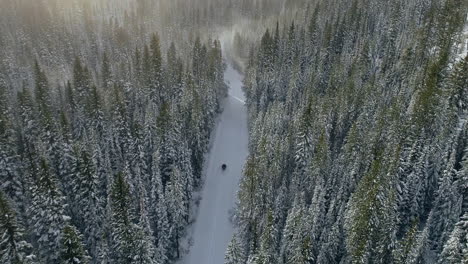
column 212, row 230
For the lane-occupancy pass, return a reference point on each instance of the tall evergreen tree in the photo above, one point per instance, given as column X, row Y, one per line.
column 72, row 250
column 47, row 214
column 234, row 253
column 13, row 247
column 88, row 211
column 456, row 248
column 156, row 74
column 122, row 221
column 11, row 183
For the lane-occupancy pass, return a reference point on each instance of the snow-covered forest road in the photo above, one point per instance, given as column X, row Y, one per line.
column 212, row 230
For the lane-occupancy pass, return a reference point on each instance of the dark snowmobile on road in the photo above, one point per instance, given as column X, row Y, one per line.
column 224, row 166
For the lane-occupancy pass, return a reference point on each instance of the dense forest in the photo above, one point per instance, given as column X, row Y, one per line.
column 358, row 122
column 358, row 137
column 106, row 111
column 102, row 133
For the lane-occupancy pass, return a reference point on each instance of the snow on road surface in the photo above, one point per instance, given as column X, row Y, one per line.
column 212, row 229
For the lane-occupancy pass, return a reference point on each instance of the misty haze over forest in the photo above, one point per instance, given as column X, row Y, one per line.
column 233, row 131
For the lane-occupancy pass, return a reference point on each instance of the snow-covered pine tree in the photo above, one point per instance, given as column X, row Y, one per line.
column 292, row 226
column 167, row 136
column 163, row 234
column 47, row 214
column 29, row 131
column 72, row 250
column 456, row 248
column 89, row 212
column 14, row 249
column 365, row 207
column 123, row 229
column 267, row 251
column 177, row 210
column 234, row 252
column 11, row 183
column 155, row 71
column 145, row 244
column 106, row 73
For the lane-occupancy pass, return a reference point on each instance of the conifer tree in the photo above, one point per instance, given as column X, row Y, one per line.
column 266, row 253
column 456, row 248
column 364, row 211
column 196, row 59
column 72, row 249
column 106, row 72
column 167, row 135
column 156, row 81
column 81, row 82
column 43, row 98
column 11, row 183
column 302, row 252
column 144, row 233
column 234, row 253
column 88, row 209
column 174, row 76
column 177, row 208
column 123, row 235
column 29, row 131
column 163, row 227
column 47, row 213
column 13, row 247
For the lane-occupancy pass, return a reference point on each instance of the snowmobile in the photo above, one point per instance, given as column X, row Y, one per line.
column 223, row 166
